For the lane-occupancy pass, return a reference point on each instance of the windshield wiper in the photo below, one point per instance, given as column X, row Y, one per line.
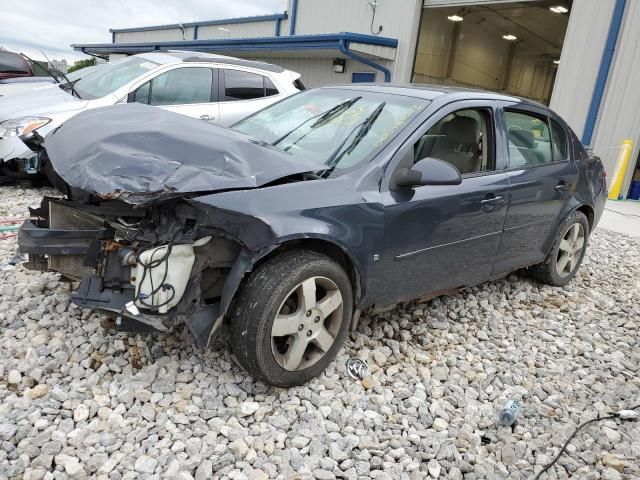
column 66, row 79
column 324, row 118
column 45, row 69
column 362, row 128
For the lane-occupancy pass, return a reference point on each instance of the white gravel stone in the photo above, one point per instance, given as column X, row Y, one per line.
column 118, row 407
column 145, row 464
column 14, row 377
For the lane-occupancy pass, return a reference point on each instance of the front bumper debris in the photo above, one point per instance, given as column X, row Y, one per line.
column 127, row 260
column 18, row 157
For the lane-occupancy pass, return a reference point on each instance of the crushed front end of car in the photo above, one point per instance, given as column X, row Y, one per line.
column 130, row 227
column 149, row 268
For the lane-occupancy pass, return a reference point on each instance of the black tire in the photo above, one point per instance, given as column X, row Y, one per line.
column 547, row 271
column 263, row 297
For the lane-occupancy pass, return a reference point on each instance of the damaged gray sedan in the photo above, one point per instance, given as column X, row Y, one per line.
column 300, row 217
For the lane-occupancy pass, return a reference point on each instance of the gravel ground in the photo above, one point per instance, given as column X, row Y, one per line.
column 78, row 403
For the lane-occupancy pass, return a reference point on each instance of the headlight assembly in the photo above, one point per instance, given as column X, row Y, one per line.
column 17, row 127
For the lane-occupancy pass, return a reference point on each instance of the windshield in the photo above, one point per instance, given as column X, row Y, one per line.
column 108, row 78
column 339, row 128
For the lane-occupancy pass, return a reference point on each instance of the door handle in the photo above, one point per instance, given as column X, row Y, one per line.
column 207, row 118
column 492, row 202
column 561, row 187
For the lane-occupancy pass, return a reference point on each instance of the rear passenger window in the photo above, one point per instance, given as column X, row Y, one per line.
column 239, row 85
column 558, row 142
column 529, row 140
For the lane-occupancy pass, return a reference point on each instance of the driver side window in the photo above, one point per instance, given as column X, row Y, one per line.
column 463, row 138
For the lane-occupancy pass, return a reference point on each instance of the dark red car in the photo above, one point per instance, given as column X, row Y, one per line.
column 14, row 65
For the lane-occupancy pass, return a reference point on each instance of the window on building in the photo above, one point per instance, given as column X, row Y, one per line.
column 239, row 85
column 529, row 139
column 181, row 86
column 462, row 138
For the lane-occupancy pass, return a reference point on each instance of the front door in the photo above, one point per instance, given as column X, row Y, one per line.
column 542, row 178
column 442, row 237
column 190, row 91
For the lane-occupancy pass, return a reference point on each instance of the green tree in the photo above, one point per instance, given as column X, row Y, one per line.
column 88, row 62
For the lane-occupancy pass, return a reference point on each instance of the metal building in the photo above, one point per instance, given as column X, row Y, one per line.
column 578, row 56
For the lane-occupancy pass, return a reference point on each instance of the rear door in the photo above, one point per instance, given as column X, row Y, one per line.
column 244, row 92
column 190, row 91
column 542, row 178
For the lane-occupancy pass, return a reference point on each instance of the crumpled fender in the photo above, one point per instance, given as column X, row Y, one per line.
column 12, row 148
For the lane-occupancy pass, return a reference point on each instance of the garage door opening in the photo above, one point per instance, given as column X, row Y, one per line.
column 511, row 47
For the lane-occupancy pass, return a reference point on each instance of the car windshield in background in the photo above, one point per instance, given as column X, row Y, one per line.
column 339, row 128
column 108, row 78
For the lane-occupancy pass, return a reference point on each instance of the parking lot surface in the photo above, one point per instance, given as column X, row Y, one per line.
column 77, row 402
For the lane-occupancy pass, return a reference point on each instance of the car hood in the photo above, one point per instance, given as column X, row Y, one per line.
column 141, row 154
column 41, row 102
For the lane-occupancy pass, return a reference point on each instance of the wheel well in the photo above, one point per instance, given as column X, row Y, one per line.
column 588, row 212
column 329, row 249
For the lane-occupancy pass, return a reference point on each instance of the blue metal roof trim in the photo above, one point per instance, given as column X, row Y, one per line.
column 224, row 21
column 297, row 42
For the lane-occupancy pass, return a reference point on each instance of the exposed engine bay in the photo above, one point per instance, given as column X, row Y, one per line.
column 149, row 268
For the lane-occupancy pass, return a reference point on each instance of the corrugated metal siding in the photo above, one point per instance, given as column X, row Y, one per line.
column 619, row 117
column 238, row 30
column 399, row 19
column 167, row 34
column 453, row 3
column 580, row 60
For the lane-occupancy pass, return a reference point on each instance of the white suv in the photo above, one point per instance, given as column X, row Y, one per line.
column 214, row 88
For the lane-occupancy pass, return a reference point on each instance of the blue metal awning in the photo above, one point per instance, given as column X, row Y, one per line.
column 330, row 41
column 338, row 42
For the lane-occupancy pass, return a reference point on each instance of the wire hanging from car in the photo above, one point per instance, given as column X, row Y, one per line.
column 147, row 267
column 627, row 414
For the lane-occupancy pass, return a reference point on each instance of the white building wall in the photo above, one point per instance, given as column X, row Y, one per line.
column 160, row 35
column 399, row 19
column 317, row 72
column 580, row 60
column 238, row 30
column 619, row 117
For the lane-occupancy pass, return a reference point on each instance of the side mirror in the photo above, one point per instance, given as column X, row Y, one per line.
column 428, row 171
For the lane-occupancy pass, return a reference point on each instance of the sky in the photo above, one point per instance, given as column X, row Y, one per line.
column 29, row 26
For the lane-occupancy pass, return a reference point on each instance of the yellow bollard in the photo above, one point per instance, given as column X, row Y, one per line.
column 621, row 169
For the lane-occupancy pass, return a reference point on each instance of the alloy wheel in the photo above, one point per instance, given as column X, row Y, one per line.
column 570, row 250
column 307, row 323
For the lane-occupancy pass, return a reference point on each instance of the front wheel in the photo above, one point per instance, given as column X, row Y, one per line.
column 291, row 317
column 566, row 255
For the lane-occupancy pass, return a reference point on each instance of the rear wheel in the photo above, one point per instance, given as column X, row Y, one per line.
column 566, row 255
column 291, row 317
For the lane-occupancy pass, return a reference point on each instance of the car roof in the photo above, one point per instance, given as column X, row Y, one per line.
column 431, row 92
column 169, row 56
